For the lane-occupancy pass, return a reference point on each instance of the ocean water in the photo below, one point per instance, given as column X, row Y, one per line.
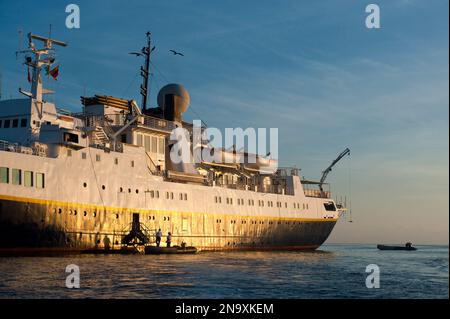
column 334, row 271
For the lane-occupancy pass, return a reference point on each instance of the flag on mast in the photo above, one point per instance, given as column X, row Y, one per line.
column 54, row 72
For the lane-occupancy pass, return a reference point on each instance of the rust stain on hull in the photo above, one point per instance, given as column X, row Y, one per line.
column 46, row 228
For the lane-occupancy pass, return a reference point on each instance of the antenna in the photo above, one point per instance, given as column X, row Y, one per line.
column 145, row 70
column 42, row 58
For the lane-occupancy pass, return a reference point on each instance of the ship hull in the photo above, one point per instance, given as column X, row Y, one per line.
column 31, row 227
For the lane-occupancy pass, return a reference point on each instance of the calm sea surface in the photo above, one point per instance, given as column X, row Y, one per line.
column 335, row 271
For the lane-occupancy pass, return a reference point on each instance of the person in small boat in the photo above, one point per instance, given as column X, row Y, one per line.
column 169, row 239
column 408, row 245
column 158, row 237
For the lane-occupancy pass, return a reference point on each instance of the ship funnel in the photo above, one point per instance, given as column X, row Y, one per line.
column 173, row 99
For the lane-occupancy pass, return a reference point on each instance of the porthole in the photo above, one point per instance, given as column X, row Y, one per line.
column 85, row 213
column 137, row 191
column 94, row 214
column 75, row 212
column 103, row 187
column 121, row 189
column 129, row 190
column 84, row 185
column 59, row 210
column 117, row 216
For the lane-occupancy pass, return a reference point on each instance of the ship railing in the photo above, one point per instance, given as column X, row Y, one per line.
column 157, row 123
column 288, row 171
column 317, row 193
column 37, row 149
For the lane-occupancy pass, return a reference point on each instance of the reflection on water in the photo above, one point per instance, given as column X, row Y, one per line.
column 335, row 271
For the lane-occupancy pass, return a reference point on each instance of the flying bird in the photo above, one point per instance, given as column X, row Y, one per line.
column 176, row 53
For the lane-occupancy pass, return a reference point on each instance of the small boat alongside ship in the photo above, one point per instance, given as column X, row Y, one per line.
column 154, row 250
column 408, row 246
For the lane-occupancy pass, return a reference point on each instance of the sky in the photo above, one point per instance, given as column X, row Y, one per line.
column 309, row 68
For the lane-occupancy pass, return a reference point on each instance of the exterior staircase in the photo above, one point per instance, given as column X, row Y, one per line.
column 100, row 135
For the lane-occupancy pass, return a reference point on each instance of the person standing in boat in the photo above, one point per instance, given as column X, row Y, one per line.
column 158, row 237
column 169, row 239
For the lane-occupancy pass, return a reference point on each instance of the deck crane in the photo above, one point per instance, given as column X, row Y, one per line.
column 328, row 170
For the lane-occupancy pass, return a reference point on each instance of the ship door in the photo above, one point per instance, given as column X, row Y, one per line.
column 135, row 219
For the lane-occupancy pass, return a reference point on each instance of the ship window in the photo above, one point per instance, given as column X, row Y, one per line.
column 123, row 138
column 329, row 206
column 1, row 123
column 137, row 191
column 184, row 224
column 83, row 155
column 7, row 124
column 181, row 196
column 69, row 152
column 116, row 161
column 167, row 195
column 185, row 196
column 121, row 189
column 4, row 175
column 157, row 194
column 40, row 180
column 103, row 187
column 132, row 163
column 70, row 138
column 84, row 185
column 147, row 143
column 15, row 123
column 139, row 140
column 161, row 145
column 152, row 194
column 16, row 177
column 23, row 122
column 97, row 157
column 154, row 144
column 28, row 179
